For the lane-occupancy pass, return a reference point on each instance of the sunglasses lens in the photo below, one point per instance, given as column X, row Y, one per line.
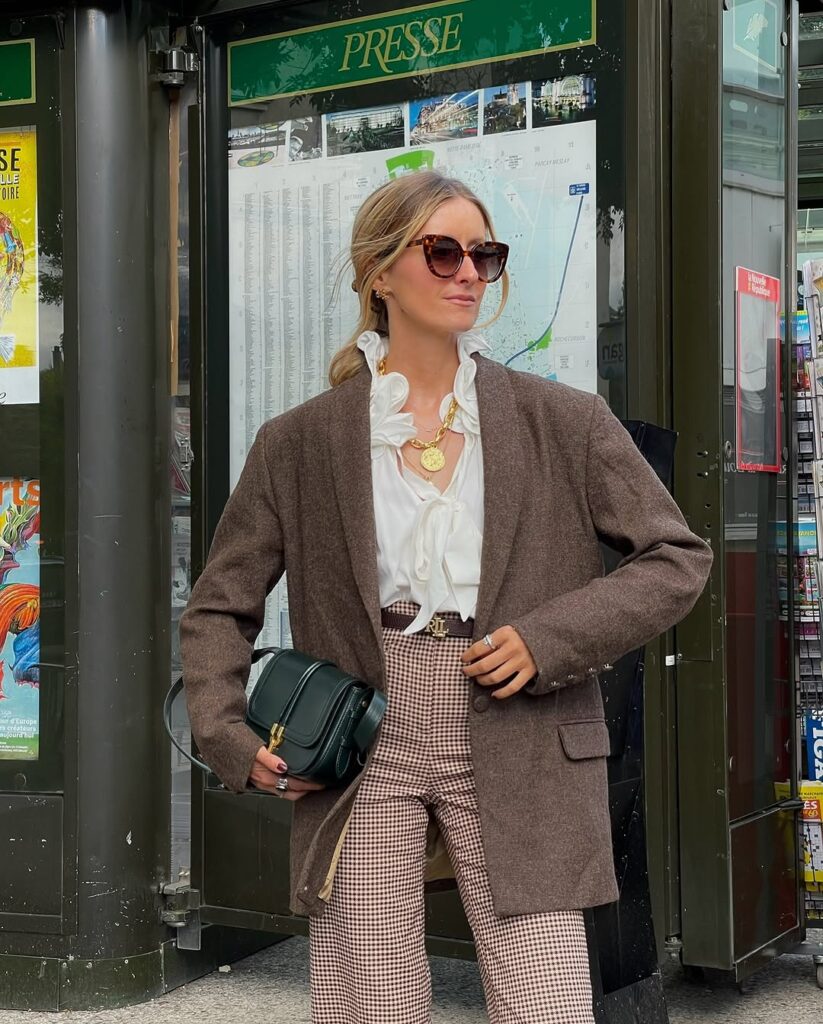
column 489, row 259
column 445, row 256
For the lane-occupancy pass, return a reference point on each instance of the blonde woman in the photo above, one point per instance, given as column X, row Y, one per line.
column 440, row 517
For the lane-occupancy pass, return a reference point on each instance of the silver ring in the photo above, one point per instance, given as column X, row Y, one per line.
column 487, row 640
column 282, row 784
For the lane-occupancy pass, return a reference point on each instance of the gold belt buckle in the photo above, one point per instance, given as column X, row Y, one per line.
column 438, row 627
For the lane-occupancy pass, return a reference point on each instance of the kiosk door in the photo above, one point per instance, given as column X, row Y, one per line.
column 734, row 282
column 302, row 117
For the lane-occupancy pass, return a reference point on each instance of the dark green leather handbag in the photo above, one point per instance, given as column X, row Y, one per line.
column 320, row 720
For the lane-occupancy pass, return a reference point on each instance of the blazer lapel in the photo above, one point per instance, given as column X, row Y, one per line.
column 504, row 472
column 349, row 438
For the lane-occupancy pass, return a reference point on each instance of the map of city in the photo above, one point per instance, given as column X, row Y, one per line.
column 540, row 189
column 290, row 226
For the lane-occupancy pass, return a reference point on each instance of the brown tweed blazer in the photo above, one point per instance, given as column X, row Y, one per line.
column 560, row 474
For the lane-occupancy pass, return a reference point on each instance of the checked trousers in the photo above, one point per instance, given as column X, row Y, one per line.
column 367, row 952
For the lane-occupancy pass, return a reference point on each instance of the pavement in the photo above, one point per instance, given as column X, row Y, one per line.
column 272, row 987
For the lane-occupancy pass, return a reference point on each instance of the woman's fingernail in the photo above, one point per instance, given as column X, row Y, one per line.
column 282, row 767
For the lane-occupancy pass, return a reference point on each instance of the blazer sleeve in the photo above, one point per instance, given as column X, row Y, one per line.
column 662, row 573
column 224, row 616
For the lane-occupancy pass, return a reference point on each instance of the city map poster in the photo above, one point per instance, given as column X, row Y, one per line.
column 19, row 619
column 19, row 372
column 526, row 148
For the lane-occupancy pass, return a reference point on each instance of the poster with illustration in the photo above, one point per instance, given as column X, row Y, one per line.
column 19, row 374
column 19, row 619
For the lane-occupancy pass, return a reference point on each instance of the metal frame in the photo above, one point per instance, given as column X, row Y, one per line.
column 648, row 242
column 112, row 420
column 706, row 923
column 54, row 773
column 209, row 359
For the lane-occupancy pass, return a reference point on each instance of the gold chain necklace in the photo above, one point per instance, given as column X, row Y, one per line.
column 415, row 469
column 431, row 457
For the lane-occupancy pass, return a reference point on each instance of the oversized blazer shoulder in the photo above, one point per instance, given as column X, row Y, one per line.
column 560, row 475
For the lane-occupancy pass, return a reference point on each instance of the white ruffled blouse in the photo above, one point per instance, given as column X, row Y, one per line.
column 428, row 543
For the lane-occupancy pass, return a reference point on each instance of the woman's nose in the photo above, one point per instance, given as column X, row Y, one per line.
column 467, row 274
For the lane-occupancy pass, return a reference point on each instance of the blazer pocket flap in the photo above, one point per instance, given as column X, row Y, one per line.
column 585, row 739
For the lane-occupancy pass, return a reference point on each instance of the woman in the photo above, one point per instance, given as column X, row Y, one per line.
column 440, row 518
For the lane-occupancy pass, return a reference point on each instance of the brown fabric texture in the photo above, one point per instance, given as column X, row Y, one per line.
column 560, row 474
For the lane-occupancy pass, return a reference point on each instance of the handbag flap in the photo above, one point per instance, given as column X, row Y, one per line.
column 316, row 706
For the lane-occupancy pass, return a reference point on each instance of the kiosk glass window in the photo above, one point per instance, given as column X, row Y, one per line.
column 33, row 369
column 754, row 296
column 181, row 457
column 524, row 105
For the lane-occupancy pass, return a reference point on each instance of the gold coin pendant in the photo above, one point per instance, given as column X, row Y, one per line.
column 432, row 459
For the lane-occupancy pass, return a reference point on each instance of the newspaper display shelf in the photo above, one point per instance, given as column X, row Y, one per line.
column 807, row 578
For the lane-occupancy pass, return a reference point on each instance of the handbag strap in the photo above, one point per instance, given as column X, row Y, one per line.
column 367, row 726
column 175, row 692
column 260, row 652
column 171, row 697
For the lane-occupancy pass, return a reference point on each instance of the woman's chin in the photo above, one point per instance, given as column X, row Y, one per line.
column 463, row 320
column 451, row 322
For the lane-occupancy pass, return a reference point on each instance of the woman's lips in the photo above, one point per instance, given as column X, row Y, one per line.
column 462, row 300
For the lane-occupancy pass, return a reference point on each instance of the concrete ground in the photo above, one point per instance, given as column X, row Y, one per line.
column 272, row 988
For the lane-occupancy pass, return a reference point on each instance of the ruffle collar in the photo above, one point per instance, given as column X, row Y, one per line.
column 389, row 392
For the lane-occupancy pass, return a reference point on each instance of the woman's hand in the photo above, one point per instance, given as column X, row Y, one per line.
column 268, row 768
column 510, row 657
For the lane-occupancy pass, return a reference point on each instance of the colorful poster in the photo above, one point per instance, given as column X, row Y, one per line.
column 757, row 391
column 814, row 748
column 19, row 347
column 19, row 619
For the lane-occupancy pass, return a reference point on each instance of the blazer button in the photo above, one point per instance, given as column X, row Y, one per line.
column 481, row 702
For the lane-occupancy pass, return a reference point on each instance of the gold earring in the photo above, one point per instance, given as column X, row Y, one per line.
column 380, row 293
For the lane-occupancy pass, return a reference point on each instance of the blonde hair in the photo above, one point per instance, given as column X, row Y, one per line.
column 384, row 225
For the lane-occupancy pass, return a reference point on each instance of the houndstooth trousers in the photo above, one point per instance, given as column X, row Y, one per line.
column 367, row 952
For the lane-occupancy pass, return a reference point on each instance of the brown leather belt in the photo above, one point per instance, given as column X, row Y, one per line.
column 447, row 624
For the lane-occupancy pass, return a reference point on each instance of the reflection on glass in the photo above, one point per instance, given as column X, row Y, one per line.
column 754, row 82
column 809, row 236
column 764, row 881
column 181, row 456
column 811, row 26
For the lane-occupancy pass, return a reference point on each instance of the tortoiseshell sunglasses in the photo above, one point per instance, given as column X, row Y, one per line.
column 445, row 255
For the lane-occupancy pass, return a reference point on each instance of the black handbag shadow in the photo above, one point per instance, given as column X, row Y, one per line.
column 626, row 981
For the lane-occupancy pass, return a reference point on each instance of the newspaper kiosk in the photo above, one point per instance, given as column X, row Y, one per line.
column 188, row 173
